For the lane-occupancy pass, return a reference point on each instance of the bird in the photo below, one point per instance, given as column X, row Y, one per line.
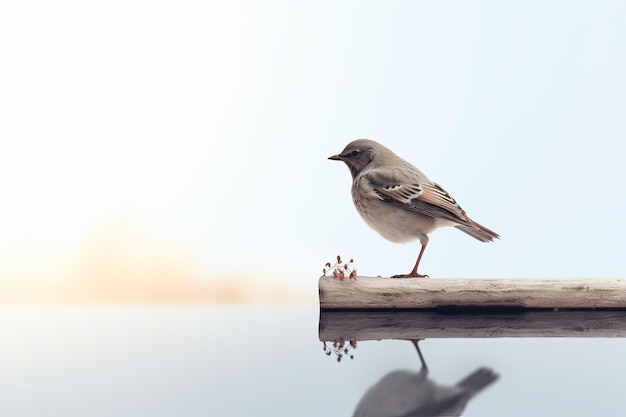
column 405, row 393
column 399, row 201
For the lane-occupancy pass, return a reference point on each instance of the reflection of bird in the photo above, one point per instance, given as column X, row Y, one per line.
column 412, row 394
column 399, row 201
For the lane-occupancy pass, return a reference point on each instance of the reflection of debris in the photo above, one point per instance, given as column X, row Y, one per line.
column 340, row 270
column 340, row 348
column 411, row 324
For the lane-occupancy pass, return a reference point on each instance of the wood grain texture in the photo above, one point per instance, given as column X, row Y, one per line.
column 428, row 293
column 410, row 324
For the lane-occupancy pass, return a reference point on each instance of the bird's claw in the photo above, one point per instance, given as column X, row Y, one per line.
column 411, row 275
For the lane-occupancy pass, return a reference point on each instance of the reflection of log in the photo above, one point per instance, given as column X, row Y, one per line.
column 377, row 325
column 386, row 293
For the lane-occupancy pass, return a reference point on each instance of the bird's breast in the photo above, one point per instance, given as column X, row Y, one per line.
column 391, row 221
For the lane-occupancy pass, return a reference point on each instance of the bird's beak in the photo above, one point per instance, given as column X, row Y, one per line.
column 336, row 158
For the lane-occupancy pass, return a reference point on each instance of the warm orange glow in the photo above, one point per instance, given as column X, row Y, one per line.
column 120, row 262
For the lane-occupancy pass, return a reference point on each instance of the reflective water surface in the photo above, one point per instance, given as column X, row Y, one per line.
column 258, row 361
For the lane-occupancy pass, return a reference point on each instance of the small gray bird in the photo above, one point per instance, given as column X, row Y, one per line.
column 405, row 393
column 399, row 201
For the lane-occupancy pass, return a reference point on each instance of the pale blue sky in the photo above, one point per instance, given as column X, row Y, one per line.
column 212, row 122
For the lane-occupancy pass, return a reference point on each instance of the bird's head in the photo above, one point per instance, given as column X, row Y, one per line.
column 358, row 154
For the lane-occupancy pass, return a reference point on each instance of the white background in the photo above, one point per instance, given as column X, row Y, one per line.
column 205, row 128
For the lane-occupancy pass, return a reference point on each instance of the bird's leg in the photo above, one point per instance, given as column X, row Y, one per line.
column 413, row 273
column 419, row 352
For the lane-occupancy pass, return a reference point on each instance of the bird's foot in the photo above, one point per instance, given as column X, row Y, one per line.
column 410, row 275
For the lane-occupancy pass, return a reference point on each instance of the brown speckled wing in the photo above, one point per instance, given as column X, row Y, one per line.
column 424, row 197
column 437, row 196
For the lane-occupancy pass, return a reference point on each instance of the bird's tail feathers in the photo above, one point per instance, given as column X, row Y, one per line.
column 478, row 231
column 478, row 380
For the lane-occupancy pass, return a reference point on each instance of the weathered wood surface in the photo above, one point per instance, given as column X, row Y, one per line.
column 406, row 324
column 429, row 293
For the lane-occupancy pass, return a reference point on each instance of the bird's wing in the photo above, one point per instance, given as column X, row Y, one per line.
column 437, row 196
column 415, row 192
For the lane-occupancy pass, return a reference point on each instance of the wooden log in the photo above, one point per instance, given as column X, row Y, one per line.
column 407, row 324
column 428, row 293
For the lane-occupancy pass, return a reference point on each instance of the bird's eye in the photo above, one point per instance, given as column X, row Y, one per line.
column 355, row 153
